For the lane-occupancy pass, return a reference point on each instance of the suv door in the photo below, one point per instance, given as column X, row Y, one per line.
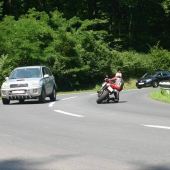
column 51, row 80
column 46, row 81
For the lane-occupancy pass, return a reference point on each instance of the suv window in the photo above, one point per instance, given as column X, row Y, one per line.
column 48, row 71
column 44, row 71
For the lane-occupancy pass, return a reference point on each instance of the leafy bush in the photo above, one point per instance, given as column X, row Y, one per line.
column 160, row 59
column 5, row 67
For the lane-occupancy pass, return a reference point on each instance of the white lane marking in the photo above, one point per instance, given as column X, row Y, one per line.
column 51, row 104
column 157, row 126
column 69, row 114
column 69, row 98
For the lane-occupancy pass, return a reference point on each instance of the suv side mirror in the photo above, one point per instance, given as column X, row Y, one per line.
column 46, row 76
column 6, row 78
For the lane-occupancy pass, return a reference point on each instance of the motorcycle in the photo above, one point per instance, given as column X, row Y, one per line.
column 107, row 92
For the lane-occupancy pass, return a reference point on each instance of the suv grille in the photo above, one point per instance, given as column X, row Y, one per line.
column 18, row 85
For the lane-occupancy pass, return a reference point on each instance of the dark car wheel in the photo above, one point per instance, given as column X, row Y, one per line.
column 139, row 87
column 53, row 95
column 5, row 101
column 155, row 84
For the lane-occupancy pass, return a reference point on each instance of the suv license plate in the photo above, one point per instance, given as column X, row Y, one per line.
column 18, row 92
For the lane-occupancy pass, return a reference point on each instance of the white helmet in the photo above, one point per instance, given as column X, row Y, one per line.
column 119, row 75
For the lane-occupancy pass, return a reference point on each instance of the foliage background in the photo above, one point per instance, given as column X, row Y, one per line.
column 83, row 40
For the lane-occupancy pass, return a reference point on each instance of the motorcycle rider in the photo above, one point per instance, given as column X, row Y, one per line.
column 117, row 84
column 118, row 74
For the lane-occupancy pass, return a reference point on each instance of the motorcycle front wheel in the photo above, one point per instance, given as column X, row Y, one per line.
column 104, row 96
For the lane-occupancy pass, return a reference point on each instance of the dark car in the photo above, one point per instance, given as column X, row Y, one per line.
column 148, row 80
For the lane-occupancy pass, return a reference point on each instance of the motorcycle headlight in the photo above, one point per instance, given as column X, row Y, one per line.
column 36, row 83
column 103, row 84
column 148, row 80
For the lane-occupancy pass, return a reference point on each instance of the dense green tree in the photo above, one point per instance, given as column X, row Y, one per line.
column 83, row 40
column 72, row 48
column 1, row 9
column 127, row 27
column 166, row 6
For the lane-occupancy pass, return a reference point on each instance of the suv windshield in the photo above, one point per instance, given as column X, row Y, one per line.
column 25, row 73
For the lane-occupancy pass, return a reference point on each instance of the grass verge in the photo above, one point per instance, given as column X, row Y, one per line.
column 130, row 84
column 157, row 95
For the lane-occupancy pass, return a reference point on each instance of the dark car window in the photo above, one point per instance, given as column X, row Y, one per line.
column 146, row 75
column 164, row 74
column 157, row 75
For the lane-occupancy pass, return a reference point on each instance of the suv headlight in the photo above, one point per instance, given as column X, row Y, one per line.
column 5, row 85
column 36, row 84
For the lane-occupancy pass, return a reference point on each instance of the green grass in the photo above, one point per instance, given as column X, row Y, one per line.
column 130, row 84
column 157, row 95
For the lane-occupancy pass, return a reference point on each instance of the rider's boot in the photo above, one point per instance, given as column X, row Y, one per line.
column 116, row 96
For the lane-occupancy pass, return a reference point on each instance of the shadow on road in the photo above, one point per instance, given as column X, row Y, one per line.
column 112, row 102
column 39, row 164
column 155, row 168
column 14, row 164
column 143, row 166
column 31, row 164
column 27, row 102
column 123, row 101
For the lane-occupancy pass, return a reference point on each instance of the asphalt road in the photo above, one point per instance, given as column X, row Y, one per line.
column 75, row 133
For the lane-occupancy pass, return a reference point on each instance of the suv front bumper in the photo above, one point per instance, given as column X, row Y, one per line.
column 15, row 94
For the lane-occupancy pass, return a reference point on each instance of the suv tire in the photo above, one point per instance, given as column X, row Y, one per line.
column 53, row 95
column 21, row 101
column 42, row 96
column 5, row 101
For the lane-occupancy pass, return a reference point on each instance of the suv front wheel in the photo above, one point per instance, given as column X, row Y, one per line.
column 42, row 96
column 5, row 101
column 53, row 95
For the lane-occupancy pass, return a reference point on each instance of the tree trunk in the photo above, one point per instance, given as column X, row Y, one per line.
column 92, row 9
column 130, row 27
column 7, row 7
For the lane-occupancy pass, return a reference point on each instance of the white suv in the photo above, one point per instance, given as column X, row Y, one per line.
column 29, row 83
